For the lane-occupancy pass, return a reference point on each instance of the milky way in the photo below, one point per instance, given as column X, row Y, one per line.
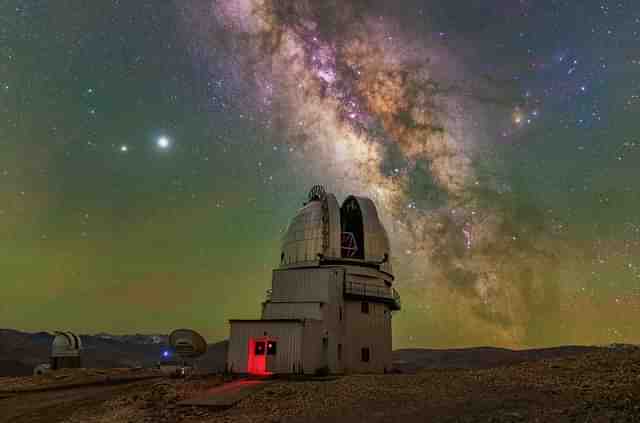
column 152, row 154
column 385, row 115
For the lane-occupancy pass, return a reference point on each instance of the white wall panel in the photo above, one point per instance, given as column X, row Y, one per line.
column 288, row 336
column 287, row 310
column 312, row 284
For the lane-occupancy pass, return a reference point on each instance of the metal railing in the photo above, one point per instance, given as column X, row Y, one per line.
column 366, row 290
column 361, row 289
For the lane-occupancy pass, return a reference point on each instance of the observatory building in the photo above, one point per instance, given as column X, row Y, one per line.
column 332, row 296
column 65, row 351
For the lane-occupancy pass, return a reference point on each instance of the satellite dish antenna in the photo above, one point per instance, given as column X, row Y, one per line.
column 187, row 343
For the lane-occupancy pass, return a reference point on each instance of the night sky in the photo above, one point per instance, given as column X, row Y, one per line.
column 153, row 152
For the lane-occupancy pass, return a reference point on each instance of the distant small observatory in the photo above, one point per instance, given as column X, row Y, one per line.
column 330, row 306
column 65, row 351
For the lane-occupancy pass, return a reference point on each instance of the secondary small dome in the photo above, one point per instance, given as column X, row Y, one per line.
column 66, row 344
column 65, row 351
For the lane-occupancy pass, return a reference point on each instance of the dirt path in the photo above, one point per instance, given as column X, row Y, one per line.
column 55, row 406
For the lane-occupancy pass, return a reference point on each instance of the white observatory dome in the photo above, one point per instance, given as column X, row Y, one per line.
column 322, row 229
column 66, row 344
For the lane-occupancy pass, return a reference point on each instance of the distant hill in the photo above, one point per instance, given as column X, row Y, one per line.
column 136, row 339
column 411, row 360
column 20, row 352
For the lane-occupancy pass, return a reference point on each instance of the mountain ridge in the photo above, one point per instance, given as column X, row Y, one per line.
column 20, row 351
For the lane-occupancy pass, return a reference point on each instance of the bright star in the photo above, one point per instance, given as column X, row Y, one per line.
column 124, row 148
column 163, row 143
column 517, row 117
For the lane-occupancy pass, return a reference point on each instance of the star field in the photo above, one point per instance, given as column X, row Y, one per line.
column 151, row 154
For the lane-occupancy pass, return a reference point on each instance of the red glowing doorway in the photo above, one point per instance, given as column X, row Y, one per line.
column 257, row 361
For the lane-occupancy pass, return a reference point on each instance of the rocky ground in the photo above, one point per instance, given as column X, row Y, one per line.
column 66, row 377
column 601, row 386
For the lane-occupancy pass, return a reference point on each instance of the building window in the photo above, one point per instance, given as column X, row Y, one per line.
column 365, row 307
column 340, row 310
column 365, row 355
column 272, row 348
column 339, row 352
column 259, row 348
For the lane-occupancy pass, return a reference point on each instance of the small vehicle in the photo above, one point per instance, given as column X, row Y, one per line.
column 186, row 371
column 174, row 367
column 171, row 368
column 176, row 370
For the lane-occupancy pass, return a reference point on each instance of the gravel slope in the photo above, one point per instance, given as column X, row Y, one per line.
column 600, row 386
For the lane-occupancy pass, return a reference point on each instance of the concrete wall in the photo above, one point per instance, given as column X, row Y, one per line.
column 288, row 335
column 289, row 310
column 306, row 285
column 312, row 346
column 334, row 330
column 372, row 330
column 331, row 327
column 316, row 295
column 356, row 329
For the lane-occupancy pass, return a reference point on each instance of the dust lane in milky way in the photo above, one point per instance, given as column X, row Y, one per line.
column 379, row 109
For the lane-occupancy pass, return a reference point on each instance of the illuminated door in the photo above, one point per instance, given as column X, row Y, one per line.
column 257, row 362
